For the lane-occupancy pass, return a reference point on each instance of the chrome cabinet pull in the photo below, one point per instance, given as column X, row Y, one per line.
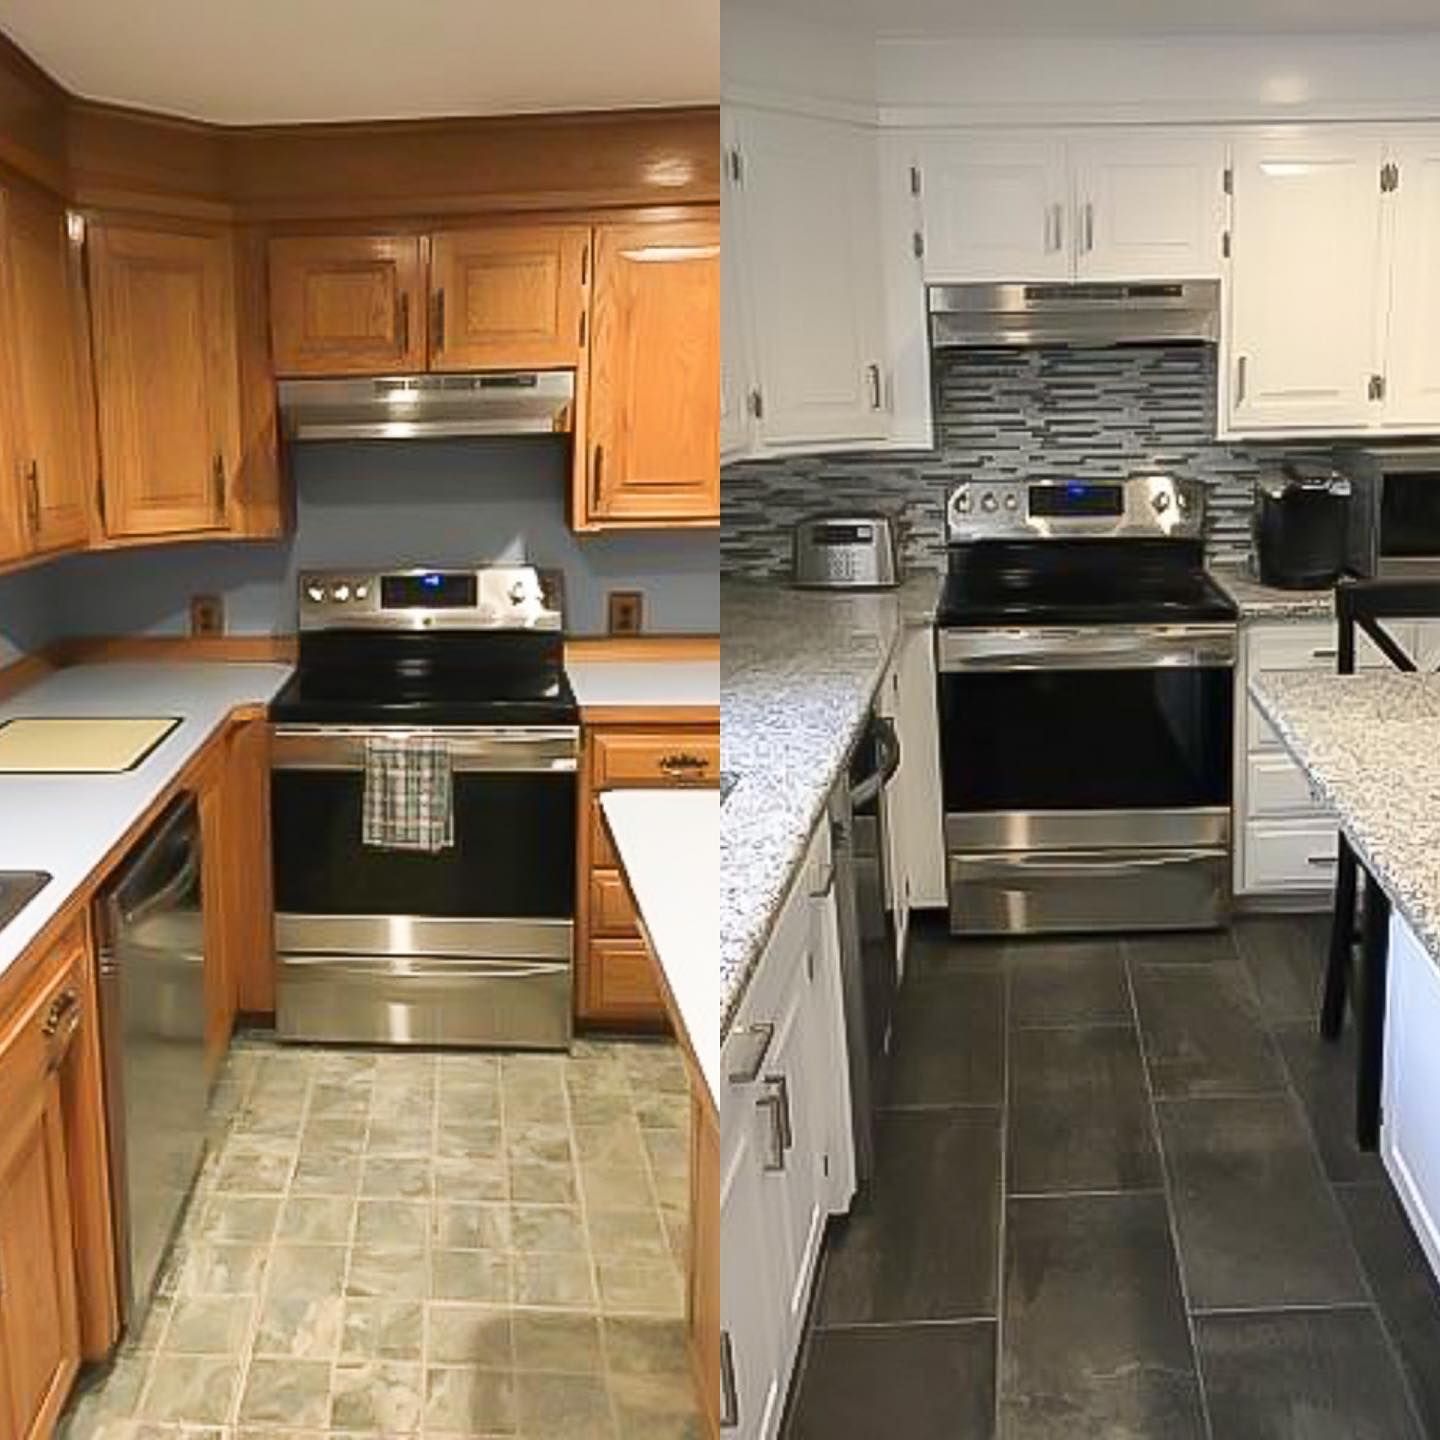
column 729, row 1391
column 1241, row 366
column 1322, row 862
column 1089, row 226
column 782, row 1137
column 751, row 1045
column 1331, row 654
column 877, row 400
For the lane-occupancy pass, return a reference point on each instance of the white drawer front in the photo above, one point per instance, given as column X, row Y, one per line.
column 1296, row 645
column 1278, row 786
column 1289, row 855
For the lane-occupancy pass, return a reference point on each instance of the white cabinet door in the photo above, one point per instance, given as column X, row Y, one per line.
column 1412, row 369
column 1149, row 206
column 1410, row 1123
column 995, row 209
column 1306, row 280
column 810, row 268
column 919, row 783
column 751, row 1358
column 734, row 341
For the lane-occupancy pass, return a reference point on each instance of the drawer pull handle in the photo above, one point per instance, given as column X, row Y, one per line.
column 782, row 1136
column 1322, row 861
column 683, row 763
column 751, row 1046
column 1331, row 654
column 61, row 1006
column 729, row 1391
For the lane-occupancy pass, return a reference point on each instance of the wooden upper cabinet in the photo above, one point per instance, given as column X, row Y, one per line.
column 55, row 425
column 163, row 312
column 508, row 297
column 654, row 403
column 347, row 304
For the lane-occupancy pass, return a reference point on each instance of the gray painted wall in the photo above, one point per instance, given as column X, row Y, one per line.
column 450, row 503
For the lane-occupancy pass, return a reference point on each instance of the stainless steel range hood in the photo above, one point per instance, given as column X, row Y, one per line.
column 420, row 407
column 968, row 316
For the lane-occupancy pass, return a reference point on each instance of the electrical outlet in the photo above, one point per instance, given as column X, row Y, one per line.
column 627, row 612
column 207, row 615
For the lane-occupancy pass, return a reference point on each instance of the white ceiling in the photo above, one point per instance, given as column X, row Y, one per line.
column 272, row 61
column 936, row 19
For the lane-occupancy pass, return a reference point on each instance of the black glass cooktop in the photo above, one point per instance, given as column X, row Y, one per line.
column 1081, row 582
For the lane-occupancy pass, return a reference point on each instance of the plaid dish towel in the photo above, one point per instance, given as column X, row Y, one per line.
column 409, row 794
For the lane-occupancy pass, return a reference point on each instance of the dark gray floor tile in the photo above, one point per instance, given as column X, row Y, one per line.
column 1302, row 1375
column 1067, row 982
column 922, row 1382
column 949, row 1042
column 1258, row 1226
column 1095, row 1337
column 1079, row 1112
column 922, row 1245
column 1285, row 957
column 1201, row 1032
column 934, row 951
column 1323, row 1075
column 1405, row 1290
column 1185, row 947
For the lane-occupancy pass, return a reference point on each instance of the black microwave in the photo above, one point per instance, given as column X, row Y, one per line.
column 1395, row 519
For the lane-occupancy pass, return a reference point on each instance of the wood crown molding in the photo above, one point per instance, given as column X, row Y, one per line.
column 110, row 157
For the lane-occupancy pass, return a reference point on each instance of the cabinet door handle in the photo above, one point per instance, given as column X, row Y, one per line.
column 782, row 1136
column 1241, row 366
column 1330, row 654
column 217, row 477
column 1089, row 226
column 729, row 1391
column 597, row 460
column 402, row 321
column 62, row 1020
column 1322, row 862
column 683, row 765
column 32, row 496
column 827, row 884
column 437, row 320
column 877, row 399
column 755, row 1039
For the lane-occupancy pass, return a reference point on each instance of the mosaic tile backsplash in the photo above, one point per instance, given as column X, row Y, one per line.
column 1002, row 413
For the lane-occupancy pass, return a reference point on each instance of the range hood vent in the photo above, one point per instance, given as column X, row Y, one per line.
column 970, row 316
column 424, row 407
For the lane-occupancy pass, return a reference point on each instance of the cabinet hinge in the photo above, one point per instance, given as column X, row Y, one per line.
column 1389, row 178
column 737, row 166
column 1225, row 245
column 1377, row 387
column 915, row 181
column 919, row 246
column 757, row 404
column 1227, row 180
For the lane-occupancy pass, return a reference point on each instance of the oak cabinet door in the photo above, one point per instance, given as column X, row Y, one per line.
column 654, row 417
column 55, row 432
column 347, row 304
column 508, row 298
column 166, row 379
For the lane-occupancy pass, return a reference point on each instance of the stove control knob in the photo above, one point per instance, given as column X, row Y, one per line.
column 362, row 592
column 518, row 593
column 1011, row 503
column 342, row 593
column 962, row 501
column 1161, row 501
column 315, row 593
column 988, row 503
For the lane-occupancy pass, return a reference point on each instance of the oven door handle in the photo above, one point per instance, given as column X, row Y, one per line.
column 540, row 749
column 423, row 968
column 1094, row 647
column 887, row 743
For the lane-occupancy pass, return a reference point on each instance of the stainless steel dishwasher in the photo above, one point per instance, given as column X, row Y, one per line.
column 150, row 921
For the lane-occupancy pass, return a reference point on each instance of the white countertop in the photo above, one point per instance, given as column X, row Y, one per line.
column 67, row 824
column 668, row 842
column 645, row 682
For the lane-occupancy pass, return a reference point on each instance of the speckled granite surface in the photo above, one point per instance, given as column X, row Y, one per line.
column 1266, row 602
column 1371, row 744
column 798, row 670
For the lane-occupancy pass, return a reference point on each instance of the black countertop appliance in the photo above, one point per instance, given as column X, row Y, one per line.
column 1302, row 511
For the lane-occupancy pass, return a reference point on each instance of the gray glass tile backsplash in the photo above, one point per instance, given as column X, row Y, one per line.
column 1002, row 413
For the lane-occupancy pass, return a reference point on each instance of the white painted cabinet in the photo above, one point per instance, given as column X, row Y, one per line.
column 996, row 208
column 734, row 341
column 916, row 793
column 1304, row 343
column 786, row 1147
column 805, row 198
column 1410, row 1123
column 1149, row 205
column 1412, row 367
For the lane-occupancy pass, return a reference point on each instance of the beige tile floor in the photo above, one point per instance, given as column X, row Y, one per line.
column 395, row 1243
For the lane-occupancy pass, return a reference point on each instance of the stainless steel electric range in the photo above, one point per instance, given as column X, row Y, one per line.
column 1086, row 683
column 471, row 944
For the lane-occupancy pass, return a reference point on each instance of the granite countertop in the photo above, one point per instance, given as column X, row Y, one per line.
column 1370, row 743
column 1268, row 602
column 667, row 844
column 67, row 824
column 799, row 671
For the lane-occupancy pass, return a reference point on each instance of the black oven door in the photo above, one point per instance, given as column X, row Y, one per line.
column 1410, row 520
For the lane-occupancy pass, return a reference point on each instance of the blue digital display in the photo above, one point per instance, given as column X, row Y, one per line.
column 430, row 582
column 427, row 590
column 1077, row 499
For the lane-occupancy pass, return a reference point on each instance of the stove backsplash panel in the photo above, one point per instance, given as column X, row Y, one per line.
column 1006, row 413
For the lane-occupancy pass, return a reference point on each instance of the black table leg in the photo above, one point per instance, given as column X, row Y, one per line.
column 1371, row 1012
column 1342, row 943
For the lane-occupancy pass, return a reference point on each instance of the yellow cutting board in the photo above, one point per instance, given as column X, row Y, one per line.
column 79, row 745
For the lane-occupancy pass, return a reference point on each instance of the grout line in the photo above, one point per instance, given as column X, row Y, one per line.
column 950, row 1322
column 1171, row 1222
column 1316, row 1308
column 1102, row 1194
column 1003, row 1180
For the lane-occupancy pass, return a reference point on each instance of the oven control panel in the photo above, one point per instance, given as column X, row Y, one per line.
column 495, row 597
column 1158, row 505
